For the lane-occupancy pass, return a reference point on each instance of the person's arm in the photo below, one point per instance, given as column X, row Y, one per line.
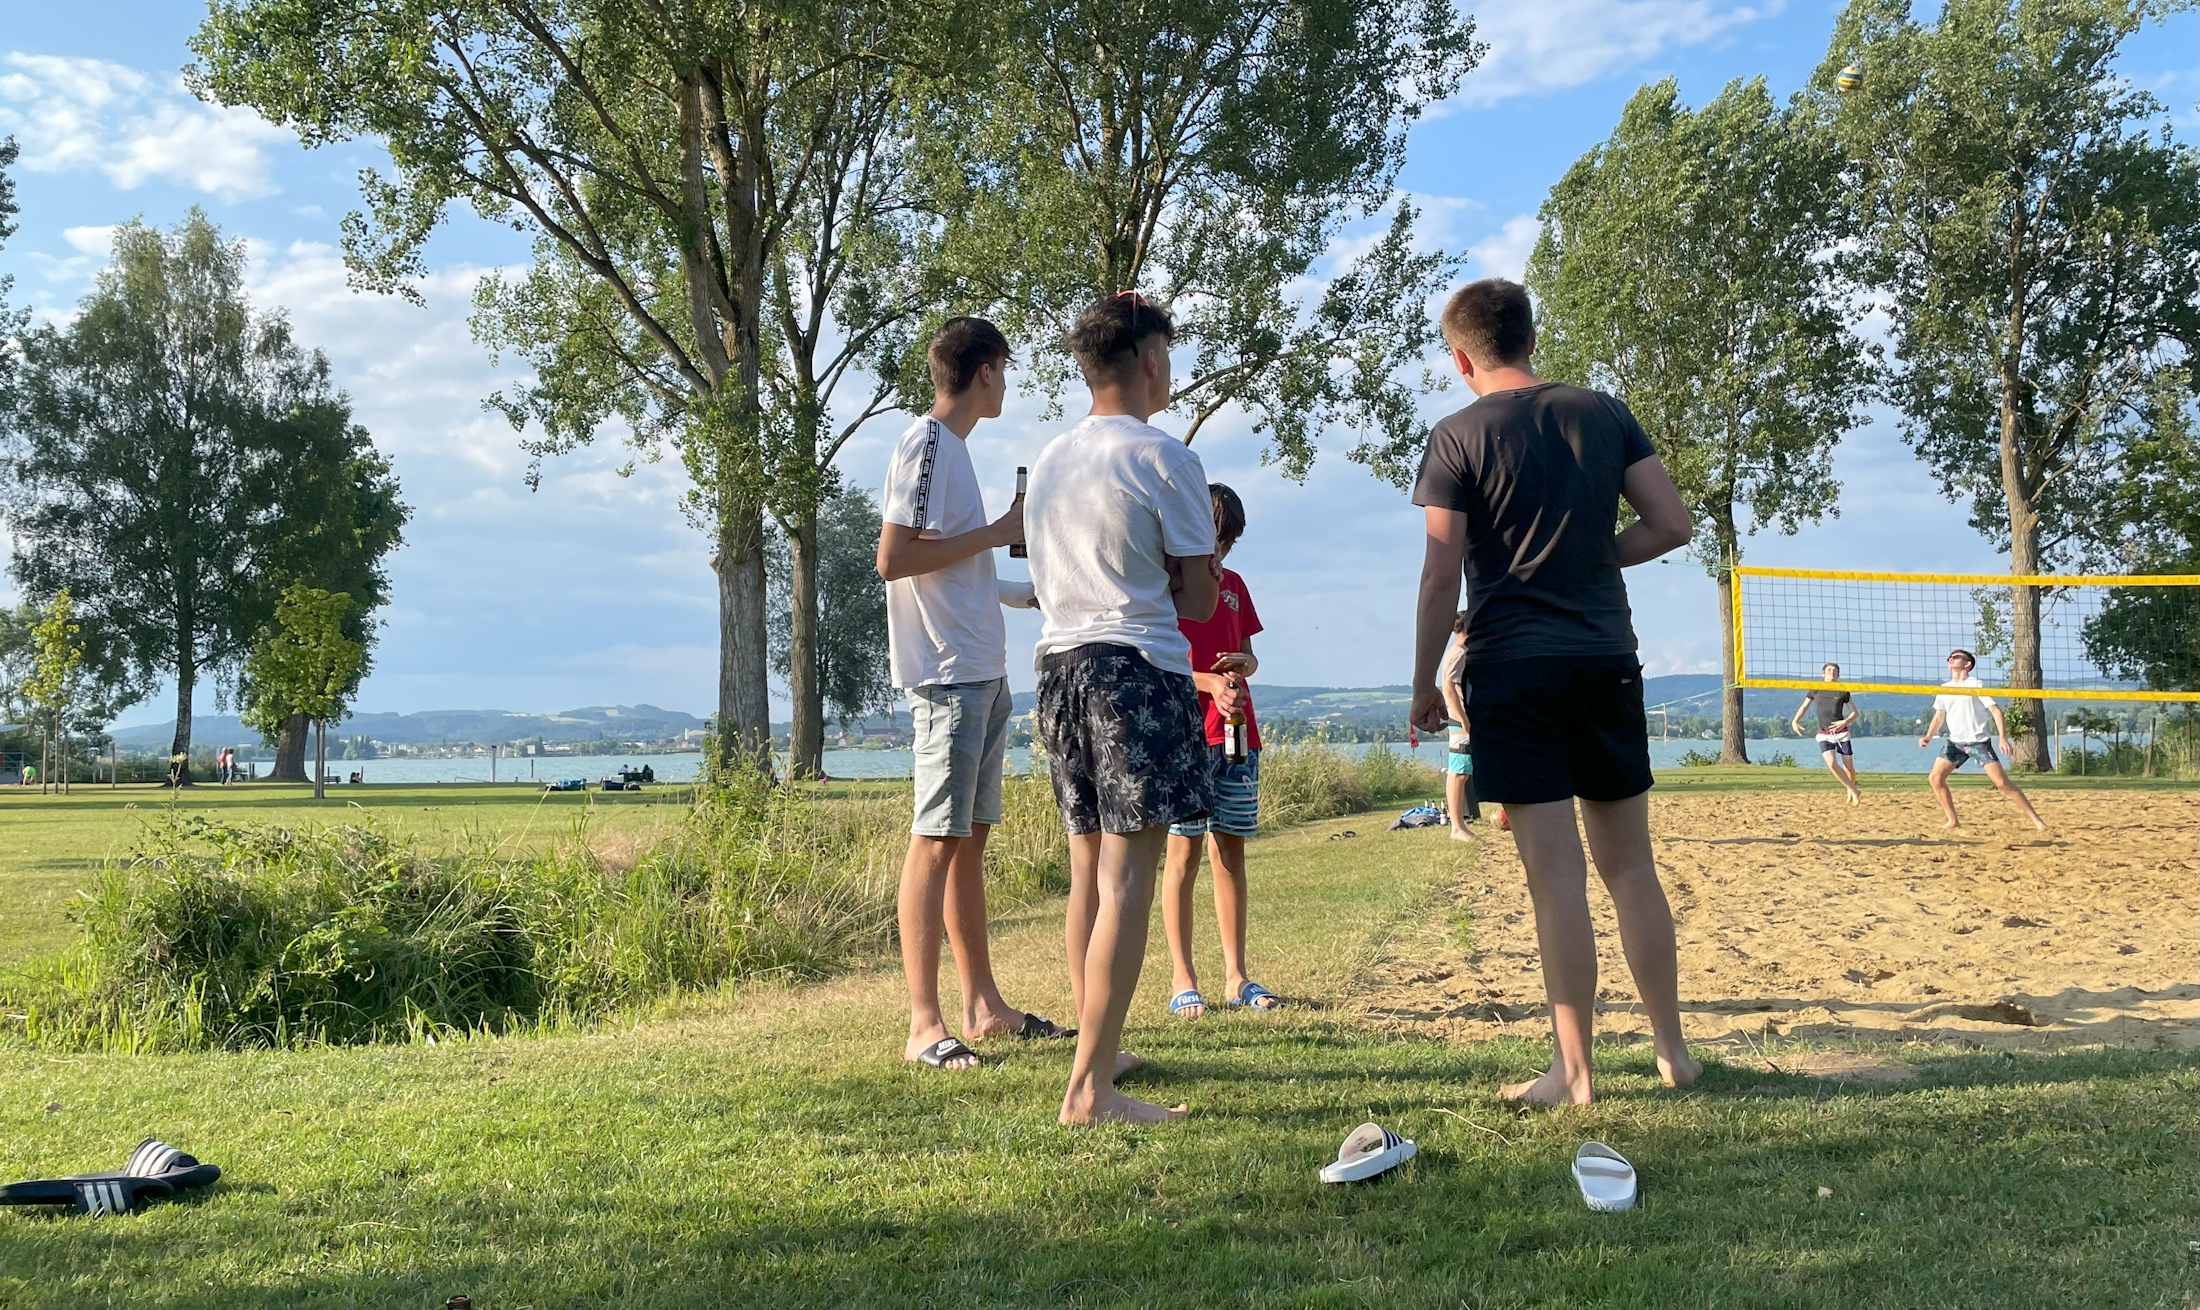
column 2001, row 729
column 1454, row 705
column 1662, row 523
column 1932, row 729
column 1016, row 595
column 1443, row 562
column 1795, row 725
column 1849, row 719
column 905, row 552
column 1195, row 584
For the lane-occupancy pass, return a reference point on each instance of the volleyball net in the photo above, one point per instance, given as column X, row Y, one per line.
column 2100, row 638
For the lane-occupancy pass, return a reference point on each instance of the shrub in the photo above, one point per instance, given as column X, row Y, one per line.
column 1696, row 759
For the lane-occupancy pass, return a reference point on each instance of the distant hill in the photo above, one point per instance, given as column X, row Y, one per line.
column 432, row 727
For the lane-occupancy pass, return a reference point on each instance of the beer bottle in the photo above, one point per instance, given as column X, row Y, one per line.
column 1017, row 549
column 1233, row 732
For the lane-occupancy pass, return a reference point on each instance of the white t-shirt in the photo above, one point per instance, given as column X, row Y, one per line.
column 946, row 626
column 1109, row 499
column 1968, row 719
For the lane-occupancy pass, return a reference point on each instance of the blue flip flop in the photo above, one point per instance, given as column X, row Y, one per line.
column 1248, row 997
column 1185, row 1000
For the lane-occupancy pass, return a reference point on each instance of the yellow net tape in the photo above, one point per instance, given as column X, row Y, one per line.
column 2098, row 638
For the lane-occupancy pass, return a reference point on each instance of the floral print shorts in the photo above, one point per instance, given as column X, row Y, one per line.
column 1125, row 742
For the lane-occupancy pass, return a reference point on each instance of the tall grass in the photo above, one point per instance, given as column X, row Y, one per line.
column 220, row 934
column 1307, row 783
column 217, row 934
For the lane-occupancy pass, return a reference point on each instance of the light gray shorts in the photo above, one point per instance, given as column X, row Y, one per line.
column 961, row 735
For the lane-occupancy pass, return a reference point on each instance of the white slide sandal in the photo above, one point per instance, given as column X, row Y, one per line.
column 1371, row 1149
column 1606, row 1180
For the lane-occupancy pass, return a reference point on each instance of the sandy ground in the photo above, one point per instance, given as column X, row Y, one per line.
column 1799, row 916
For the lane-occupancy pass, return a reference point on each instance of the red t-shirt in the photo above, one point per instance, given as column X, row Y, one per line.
column 1234, row 620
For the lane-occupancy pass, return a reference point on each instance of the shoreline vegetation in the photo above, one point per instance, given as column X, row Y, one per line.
column 219, row 932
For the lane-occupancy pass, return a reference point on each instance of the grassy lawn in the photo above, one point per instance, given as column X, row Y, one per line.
column 769, row 1147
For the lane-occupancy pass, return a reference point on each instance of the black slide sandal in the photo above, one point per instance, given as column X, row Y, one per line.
column 154, row 1171
column 949, row 1048
column 1037, row 1029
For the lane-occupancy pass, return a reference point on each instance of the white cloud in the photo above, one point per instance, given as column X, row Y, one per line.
column 97, row 240
column 1504, row 253
column 77, row 115
column 1539, row 48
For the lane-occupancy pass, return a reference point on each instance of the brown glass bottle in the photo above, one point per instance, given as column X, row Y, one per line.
column 1017, row 549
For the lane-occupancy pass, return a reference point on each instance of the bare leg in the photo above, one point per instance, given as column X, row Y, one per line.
column 1114, row 953
column 1179, row 876
column 1455, row 803
column 1619, row 841
column 1228, row 855
column 2000, row 779
column 1084, row 905
column 984, row 1013
column 1938, row 780
column 1845, row 767
column 920, row 906
column 1550, row 847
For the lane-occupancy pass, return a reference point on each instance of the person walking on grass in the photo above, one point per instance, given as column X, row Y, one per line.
column 1520, row 493
column 1222, row 660
column 1460, row 803
column 1836, row 711
column 1973, row 719
column 948, row 650
column 1122, row 541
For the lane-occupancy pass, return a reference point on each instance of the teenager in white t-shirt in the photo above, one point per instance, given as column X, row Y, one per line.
column 1122, row 539
column 948, row 650
column 1972, row 719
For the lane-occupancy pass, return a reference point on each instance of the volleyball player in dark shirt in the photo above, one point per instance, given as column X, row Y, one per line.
column 1520, row 493
column 1836, row 712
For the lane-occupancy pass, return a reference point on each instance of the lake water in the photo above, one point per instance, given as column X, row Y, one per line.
column 1873, row 755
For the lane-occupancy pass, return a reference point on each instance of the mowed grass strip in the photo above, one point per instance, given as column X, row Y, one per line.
column 769, row 1147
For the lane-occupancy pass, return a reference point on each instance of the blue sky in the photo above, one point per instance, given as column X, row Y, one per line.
column 593, row 590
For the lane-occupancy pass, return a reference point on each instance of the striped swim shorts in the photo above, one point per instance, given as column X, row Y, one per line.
column 1236, row 811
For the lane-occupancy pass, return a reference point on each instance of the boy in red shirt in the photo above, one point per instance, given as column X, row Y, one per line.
column 1222, row 659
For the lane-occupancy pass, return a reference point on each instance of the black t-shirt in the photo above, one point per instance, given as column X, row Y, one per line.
column 1537, row 472
column 1830, row 706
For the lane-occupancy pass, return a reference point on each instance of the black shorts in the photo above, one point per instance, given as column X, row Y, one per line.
column 1834, row 746
column 1126, row 742
column 1557, row 727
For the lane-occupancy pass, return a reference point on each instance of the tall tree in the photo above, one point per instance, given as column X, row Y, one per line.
column 1210, row 154
column 2151, row 635
column 657, row 152
column 153, row 440
column 1683, row 267
column 340, row 517
column 303, row 663
column 11, row 321
column 851, row 669
column 2036, row 232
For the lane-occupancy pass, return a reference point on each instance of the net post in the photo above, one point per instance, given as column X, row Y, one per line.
column 1734, row 581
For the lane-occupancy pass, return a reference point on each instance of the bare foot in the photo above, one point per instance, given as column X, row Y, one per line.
column 1951, row 825
column 1461, row 834
column 1111, row 1106
column 992, row 1023
column 1551, row 1089
column 2039, row 823
column 1125, row 1061
column 1682, row 1072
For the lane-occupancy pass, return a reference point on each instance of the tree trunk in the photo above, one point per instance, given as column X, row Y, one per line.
column 290, row 750
column 320, row 757
column 179, row 772
column 744, row 703
column 806, row 735
column 2029, row 749
column 1733, row 741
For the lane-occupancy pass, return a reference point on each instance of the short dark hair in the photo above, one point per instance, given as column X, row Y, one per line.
column 1829, row 664
column 959, row 349
column 1459, row 621
column 1492, row 321
column 1109, row 333
column 1968, row 657
column 1229, row 514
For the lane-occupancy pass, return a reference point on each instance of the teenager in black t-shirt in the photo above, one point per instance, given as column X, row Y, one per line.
column 1835, row 713
column 1520, row 491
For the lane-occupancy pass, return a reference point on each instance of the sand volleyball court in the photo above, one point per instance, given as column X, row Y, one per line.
column 1799, row 916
